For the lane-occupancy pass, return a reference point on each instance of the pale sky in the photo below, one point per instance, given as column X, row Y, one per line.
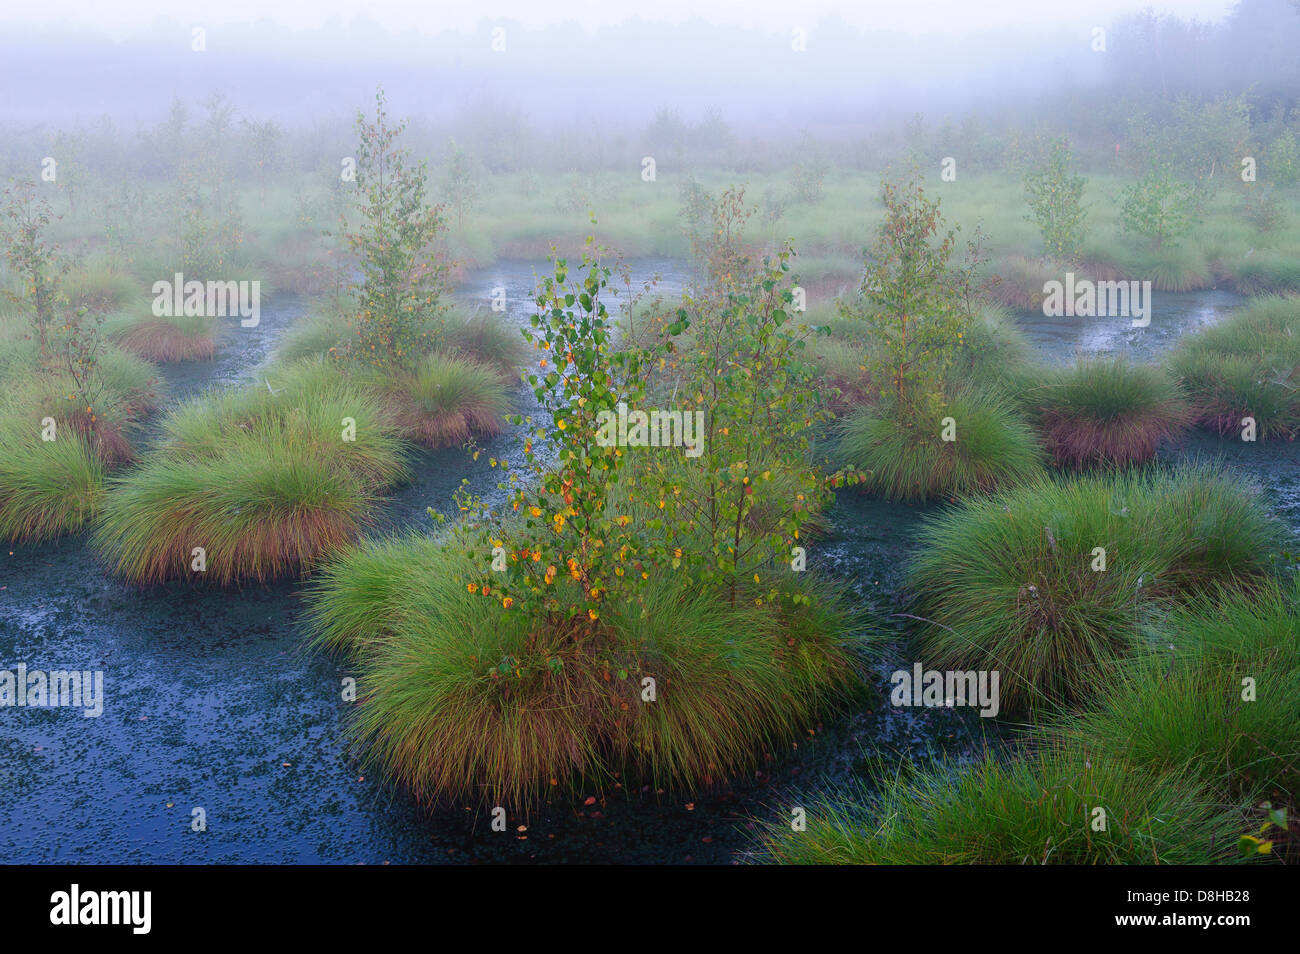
column 123, row 17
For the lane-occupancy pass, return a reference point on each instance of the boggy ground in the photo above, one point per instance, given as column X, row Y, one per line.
column 212, row 702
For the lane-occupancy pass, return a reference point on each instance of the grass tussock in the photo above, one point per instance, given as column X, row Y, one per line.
column 47, row 488
column 994, row 447
column 486, row 339
column 104, row 427
column 1107, row 412
column 132, row 383
column 457, row 392
column 1267, row 271
column 1246, row 367
column 481, row 336
column 57, row 446
column 125, row 384
column 254, row 517
column 995, row 356
column 1050, row 583
column 1179, row 268
column 101, row 287
column 1033, row 809
column 166, row 340
column 1220, row 698
column 468, row 699
column 318, row 333
column 1016, row 282
column 265, row 484
column 446, row 401
column 122, row 387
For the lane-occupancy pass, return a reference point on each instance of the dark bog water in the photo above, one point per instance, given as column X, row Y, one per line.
column 210, row 701
column 1172, row 314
